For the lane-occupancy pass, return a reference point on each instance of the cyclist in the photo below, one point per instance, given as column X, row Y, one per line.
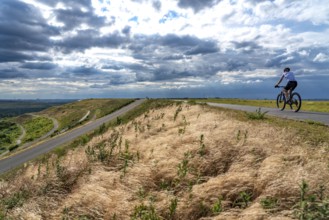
column 291, row 84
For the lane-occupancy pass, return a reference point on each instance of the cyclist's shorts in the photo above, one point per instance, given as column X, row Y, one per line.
column 291, row 85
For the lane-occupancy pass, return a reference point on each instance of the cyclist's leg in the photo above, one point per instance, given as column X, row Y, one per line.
column 287, row 90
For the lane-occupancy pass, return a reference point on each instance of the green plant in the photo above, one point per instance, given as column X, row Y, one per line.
column 141, row 193
column 144, row 212
column 259, row 115
column 17, row 199
column 126, row 156
column 217, row 207
column 178, row 110
column 243, row 199
column 172, row 208
column 269, row 202
column 312, row 206
column 202, row 210
column 183, row 166
column 202, row 149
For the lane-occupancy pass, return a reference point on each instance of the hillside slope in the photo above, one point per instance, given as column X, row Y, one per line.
column 176, row 162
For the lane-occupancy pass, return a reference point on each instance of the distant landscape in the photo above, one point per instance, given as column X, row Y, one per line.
column 27, row 121
column 11, row 108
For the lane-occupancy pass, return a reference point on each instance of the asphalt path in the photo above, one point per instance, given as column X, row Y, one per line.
column 18, row 159
column 301, row 115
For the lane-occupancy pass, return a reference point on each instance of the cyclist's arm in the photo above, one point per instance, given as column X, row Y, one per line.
column 280, row 80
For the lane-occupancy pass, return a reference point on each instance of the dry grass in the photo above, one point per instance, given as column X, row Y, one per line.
column 196, row 157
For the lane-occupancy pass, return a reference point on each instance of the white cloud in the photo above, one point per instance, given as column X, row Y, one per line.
column 321, row 58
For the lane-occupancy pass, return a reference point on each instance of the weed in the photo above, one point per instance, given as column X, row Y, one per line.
column 17, row 199
column 203, row 210
column 202, row 149
column 217, row 207
column 102, row 129
column 183, row 166
column 59, row 170
column 243, row 199
column 144, row 212
column 172, row 208
column 259, row 115
column 178, row 110
column 312, row 206
column 141, row 193
column 239, row 134
column 119, row 121
column 126, row 156
column 269, row 202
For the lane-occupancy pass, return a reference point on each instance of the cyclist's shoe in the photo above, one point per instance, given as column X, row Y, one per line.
column 295, row 102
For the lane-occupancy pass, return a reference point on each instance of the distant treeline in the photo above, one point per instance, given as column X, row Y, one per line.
column 12, row 108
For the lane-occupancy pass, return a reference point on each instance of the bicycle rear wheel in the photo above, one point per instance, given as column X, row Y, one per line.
column 281, row 101
column 296, row 102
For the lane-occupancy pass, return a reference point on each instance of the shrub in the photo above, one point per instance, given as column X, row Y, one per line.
column 258, row 115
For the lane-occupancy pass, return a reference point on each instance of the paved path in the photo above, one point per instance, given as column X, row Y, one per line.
column 301, row 115
column 31, row 153
column 19, row 139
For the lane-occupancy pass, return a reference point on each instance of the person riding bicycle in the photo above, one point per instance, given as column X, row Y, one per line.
column 291, row 84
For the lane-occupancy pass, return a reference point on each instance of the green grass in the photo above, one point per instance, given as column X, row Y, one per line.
column 68, row 115
column 316, row 106
column 36, row 128
column 9, row 132
column 129, row 116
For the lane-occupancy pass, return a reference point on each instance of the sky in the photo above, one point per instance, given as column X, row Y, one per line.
column 80, row 49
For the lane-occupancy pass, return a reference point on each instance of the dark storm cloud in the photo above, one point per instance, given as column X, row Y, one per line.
column 39, row 66
column 203, row 48
column 71, row 3
column 246, row 47
column 73, row 18
column 174, row 57
column 86, row 39
column 156, row 4
column 188, row 45
column 126, row 30
column 12, row 56
column 23, row 28
column 11, row 74
column 112, row 67
column 197, row 5
column 77, row 13
column 85, row 71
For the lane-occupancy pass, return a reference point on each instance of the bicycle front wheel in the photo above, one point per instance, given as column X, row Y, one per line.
column 281, row 101
column 296, row 102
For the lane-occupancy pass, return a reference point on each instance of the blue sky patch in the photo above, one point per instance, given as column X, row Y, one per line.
column 169, row 16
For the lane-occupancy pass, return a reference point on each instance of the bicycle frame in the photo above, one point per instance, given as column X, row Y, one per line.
column 294, row 100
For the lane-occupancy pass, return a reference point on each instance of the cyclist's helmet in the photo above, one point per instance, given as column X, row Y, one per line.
column 287, row 69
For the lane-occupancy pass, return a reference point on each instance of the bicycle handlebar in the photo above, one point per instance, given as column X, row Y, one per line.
column 279, row 86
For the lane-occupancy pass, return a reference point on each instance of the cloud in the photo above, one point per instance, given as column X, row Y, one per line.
column 197, row 5
column 11, row 74
column 169, row 47
column 23, row 28
column 86, row 39
column 12, row 56
column 39, row 66
column 74, row 18
column 321, row 58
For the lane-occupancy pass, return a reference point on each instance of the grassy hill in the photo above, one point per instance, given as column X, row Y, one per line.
column 177, row 161
column 69, row 115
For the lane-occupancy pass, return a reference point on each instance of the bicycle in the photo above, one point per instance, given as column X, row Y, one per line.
column 295, row 100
